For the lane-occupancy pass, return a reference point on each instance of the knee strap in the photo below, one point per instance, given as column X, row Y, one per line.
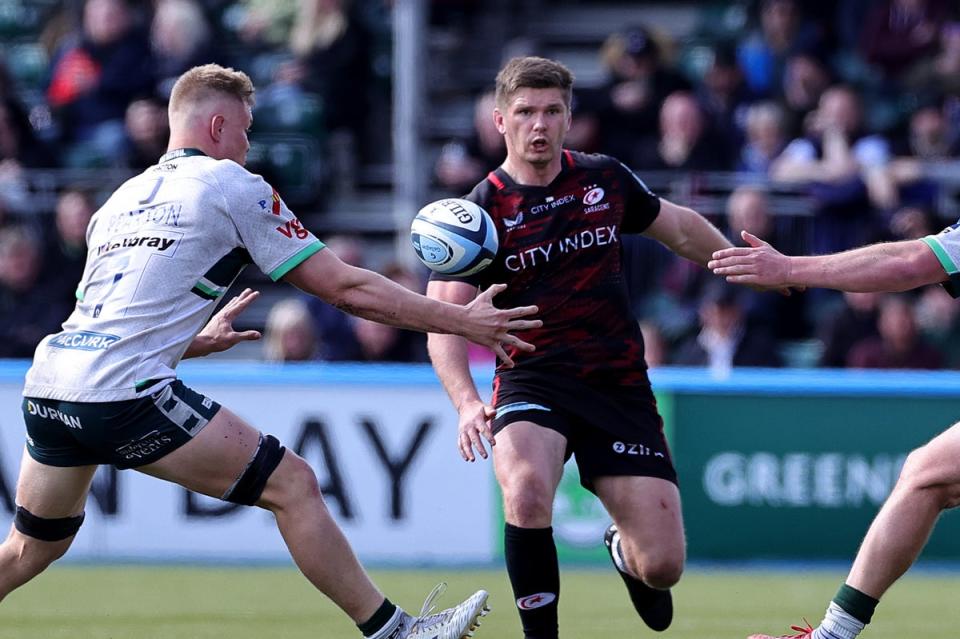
column 249, row 486
column 46, row 529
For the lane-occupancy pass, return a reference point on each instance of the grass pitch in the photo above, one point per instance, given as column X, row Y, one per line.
column 119, row 602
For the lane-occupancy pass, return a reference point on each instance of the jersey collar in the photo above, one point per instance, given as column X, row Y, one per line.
column 501, row 179
column 179, row 153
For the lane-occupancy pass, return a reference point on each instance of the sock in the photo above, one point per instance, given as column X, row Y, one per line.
column 531, row 557
column 858, row 605
column 837, row 624
column 385, row 617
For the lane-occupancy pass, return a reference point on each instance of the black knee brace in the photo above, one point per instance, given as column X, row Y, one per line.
column 46, row 529
column 249, row 486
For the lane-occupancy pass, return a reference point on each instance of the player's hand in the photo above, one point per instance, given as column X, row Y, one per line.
column 757, row 265
column 218, row 335
column 473, row 428
column 492, row 327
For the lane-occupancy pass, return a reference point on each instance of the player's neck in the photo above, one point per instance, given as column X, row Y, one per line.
column 527, row 174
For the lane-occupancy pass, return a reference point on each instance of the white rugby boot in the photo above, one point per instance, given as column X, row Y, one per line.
column 458, row 622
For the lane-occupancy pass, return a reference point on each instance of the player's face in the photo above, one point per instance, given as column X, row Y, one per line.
column 236, row 120
column 534, row 124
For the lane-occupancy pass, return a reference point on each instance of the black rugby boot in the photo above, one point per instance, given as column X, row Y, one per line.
column 654, row 606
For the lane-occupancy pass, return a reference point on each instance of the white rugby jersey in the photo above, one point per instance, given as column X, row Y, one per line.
column 160, row 253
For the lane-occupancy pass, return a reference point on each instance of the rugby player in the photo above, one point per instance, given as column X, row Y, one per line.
column 560, row 216
column 929, row 482
column 161, row 251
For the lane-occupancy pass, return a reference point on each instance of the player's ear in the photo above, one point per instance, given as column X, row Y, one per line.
column 498, row 121
column 216, row 127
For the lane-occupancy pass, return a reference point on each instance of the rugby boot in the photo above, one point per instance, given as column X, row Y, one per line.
column 804, row 633
column 458, row 622
column 654, row 606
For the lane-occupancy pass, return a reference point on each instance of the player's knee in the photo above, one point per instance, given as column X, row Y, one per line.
column 294, row 482
column 659, row 570
column 528, row 504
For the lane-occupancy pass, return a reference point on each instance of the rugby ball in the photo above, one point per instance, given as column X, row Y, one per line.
column 454, row 237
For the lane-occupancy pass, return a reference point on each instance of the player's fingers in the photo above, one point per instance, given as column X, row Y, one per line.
column 522, row 311
column 516, row 342
column 463, row 444
column 477, row 442
column 523, row 325
column 752, row 239
column 731, row 252
column 246, row 336
column 743, row 279
column 494, row 289
column 502, row 355
column 487, row 433
column 235, row 306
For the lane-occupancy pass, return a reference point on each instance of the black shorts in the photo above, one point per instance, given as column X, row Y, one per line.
column 611, row 431
column 126, row 434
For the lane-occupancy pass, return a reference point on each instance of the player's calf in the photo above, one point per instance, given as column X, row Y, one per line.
column 33, row 544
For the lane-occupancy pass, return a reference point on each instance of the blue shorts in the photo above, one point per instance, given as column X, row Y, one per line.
column 127, row 434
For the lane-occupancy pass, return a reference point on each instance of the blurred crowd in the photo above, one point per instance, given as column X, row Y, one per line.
column 852, row 104
column 849, row 104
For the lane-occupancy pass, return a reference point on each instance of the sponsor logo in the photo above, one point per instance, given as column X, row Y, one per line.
column 552, row 203
column 462, row 214
column 638, row 450
column 593, row 196
column 48, row 412
column 161, row 243
column 291, row 228
column 145, row 446
column 510, row 223
column 84, row 341
column 539, row 600
column 275, row 206
column 579, row 241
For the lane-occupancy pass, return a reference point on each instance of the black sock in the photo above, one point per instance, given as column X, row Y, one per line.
column 535, row 576
column 858, row 605
column 379, row 619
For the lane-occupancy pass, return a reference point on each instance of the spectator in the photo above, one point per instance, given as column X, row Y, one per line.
column 147, row 132
column 938, row 319
column 766, row 129
column 748, row 209
column 782, row 33
column 901, row 33
column 95, row 76
column 462, row 164
column 180, row 39
column 725, row 340
column 66, row 252
column 332, row 50
column 941, row 72
column 263, row 24
column 27, row 311
column 685, row 143
column 854, row 320
column 845, row 168
column 627, row 107
column 805, row 78
column 724, row 96
column 928, row 139
column 19, row 149
column 899, row 344
column 289, row 334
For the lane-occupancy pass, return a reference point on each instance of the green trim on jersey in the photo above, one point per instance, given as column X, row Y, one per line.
column 945, row 260
column 220, row 276
column 298, row 258
column 203, row 289
column 78, row 294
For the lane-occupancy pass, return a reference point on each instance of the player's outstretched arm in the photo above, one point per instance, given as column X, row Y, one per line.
column 218, row 335
column 450, row 360
column 369, row 295
column 893, row 266
column 686, row 233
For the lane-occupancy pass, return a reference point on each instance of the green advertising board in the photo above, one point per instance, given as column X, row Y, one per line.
column 780, row 464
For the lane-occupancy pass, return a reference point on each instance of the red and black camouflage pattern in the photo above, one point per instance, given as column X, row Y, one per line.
column 560, row 249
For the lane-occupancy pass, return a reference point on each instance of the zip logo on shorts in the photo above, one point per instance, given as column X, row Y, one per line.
column 84, row 341
column 539, row 600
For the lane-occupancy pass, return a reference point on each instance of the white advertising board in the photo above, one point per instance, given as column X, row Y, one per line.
column 382, row 441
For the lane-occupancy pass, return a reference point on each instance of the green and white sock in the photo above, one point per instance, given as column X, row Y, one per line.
column 837, row 624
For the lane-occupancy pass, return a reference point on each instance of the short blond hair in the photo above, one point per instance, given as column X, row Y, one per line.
column 532, row 72
column 204, row 81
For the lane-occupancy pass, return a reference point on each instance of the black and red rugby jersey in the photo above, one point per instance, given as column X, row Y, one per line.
column 560, row 249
